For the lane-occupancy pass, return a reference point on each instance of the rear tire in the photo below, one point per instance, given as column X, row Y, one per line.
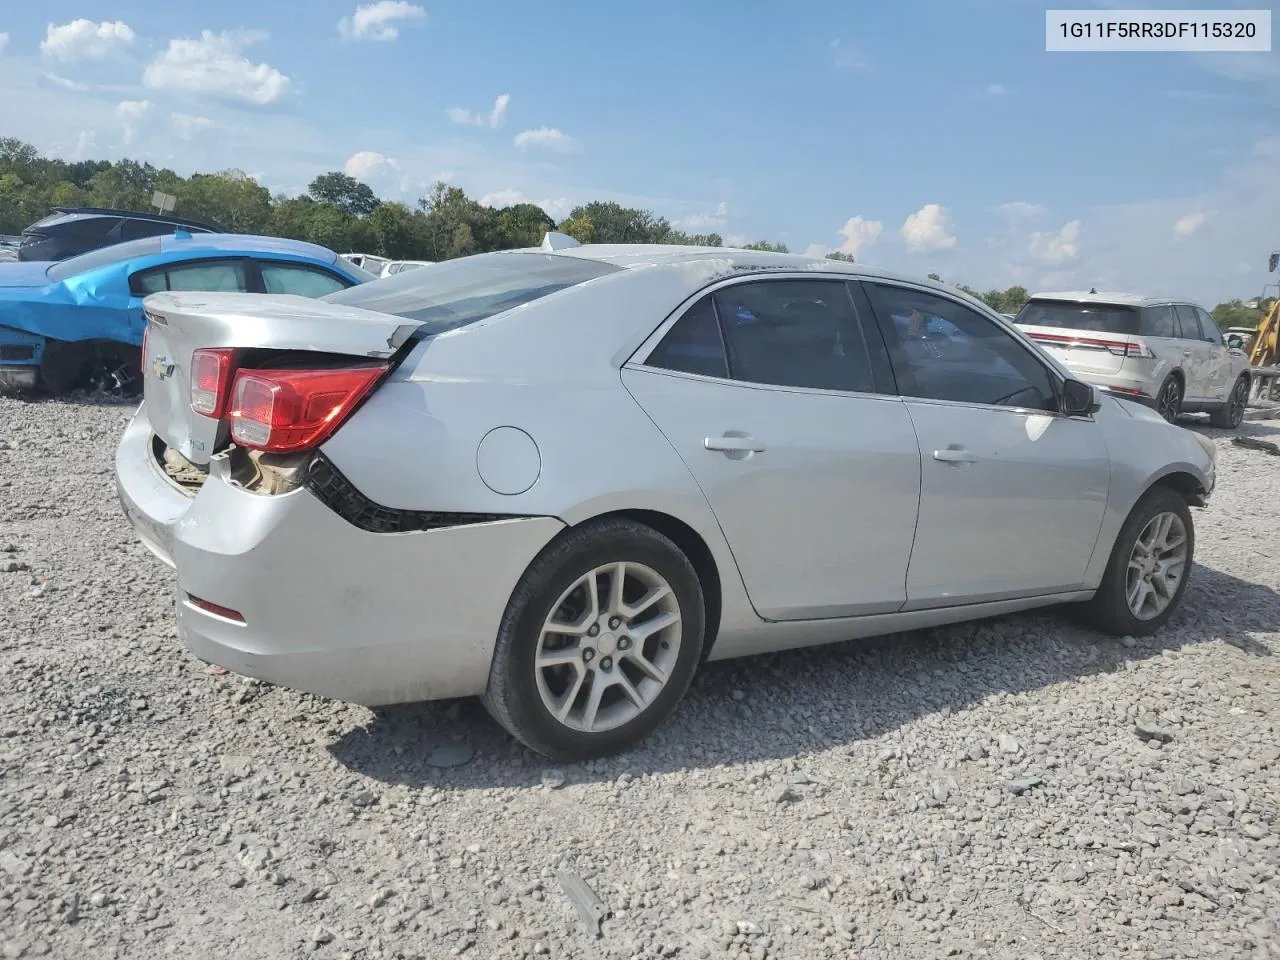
column 543, row 682
column 1230, row 415
column 1169, row 398
column 1112, row 608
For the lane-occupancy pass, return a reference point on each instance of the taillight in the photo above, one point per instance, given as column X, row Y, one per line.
column 211, row 370
column 287, row 411
column 1131, row 348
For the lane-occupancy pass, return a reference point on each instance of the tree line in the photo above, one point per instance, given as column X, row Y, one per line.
column 337, row 211
column 343, row 214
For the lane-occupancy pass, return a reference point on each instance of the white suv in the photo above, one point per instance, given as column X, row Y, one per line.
column 1160, row 351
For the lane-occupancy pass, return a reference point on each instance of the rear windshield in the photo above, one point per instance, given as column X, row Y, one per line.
column 1096, row 317
column 103, row 257
column 455, row 293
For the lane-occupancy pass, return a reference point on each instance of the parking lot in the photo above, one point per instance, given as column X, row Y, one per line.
column 1022, row 788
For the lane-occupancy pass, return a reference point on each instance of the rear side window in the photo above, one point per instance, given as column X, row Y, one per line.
column 1159, row 322
column 1188, row 326
column 227, row 276
column 136, row 229
column 1095, row 317
column 300, row 280
column 794, row 333
column 458, row 292
column 694, row 344
column 104, row 257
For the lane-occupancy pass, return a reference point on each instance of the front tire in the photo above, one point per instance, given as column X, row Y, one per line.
column 1230, row 415
column 1149, row 567
column 599, row 641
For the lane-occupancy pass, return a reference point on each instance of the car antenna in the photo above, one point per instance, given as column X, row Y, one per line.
column 1093, row 289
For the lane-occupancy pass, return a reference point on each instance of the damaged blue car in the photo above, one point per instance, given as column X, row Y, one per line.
column 78, row 322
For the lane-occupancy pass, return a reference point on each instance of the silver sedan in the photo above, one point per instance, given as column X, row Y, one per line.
column 561, row 478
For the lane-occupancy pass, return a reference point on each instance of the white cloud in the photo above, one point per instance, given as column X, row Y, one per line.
column 1185, row 226
column 736, row 240
column 816, row 250
column 86, row 144
column 928, row 230
column 66, row 84
column 1056, row 246
column 4, row 40
column 859, row 234
column 847, row 58
column 548, row 137
column 131, row 114
column 86, row 40
column 368, row 164
column 502, row 198
column 212, row 64
column 377, row 21
column 494, row 117
column 187, row 125
column 557, row 208
column 1017, row 211
column 707, row 221
column 997, row 90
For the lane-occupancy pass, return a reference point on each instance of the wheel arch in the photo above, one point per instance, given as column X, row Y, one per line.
column 1180, row 481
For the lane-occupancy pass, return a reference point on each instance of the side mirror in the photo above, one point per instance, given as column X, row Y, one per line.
column 1235, row 343
column 1079, row 399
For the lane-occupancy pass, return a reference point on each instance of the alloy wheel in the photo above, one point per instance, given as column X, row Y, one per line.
column 1169, row 400
column 608, row 647
column 1157, row 565
column 1239, row 400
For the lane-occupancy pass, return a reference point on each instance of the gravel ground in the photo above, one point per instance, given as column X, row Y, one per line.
column 1021, row 788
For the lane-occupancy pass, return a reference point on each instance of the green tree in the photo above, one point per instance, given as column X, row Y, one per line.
column 397, row 231
column 766, row 246
column 345, row 192
column 523, row 225
column 229, row 199
column 1237, row 313
column 841, row 255
column 934, row 276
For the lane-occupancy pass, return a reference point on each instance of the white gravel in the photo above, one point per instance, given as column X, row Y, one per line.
column 1023, row 788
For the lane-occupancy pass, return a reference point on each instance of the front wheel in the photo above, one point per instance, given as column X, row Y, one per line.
column 1149, row 567
column 1231, row 414
column 598, row 643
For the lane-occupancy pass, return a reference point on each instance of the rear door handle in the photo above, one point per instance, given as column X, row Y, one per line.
column 955, row 455
column 728, row 444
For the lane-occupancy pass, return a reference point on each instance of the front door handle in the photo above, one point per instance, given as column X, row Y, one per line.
column 955, row 455
column 730, row 444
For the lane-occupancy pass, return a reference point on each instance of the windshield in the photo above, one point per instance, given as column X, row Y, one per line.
column 458, row 292
column 102, row 257
column 1095, row 317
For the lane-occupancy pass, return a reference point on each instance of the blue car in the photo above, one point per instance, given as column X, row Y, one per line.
column 78, row 322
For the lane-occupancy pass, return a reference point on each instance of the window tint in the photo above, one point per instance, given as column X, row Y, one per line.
column 694, row 344
column 1209, row 327
column 457, row 292
column 225, row 276
column 1188, row 326
column 794, row 333
column 942, row 350
column 300, row 280
column 1096, row 317
column 1159, row 322
column 135, row 229
column 103, row 257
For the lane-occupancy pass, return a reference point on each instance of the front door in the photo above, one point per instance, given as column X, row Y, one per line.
column 1012, row 495
column 766, row 391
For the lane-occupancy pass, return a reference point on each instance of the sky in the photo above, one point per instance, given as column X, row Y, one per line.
column 926, row 137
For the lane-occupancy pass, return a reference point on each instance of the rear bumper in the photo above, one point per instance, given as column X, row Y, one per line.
column 327, row 608
column 20, row 354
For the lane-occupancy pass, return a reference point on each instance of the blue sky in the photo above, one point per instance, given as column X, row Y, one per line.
column 924, row 136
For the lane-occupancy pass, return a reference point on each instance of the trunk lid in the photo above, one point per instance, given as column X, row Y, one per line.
column 178, row 324
column 1080, row 351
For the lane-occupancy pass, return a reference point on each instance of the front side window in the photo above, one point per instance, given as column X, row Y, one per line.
column 1208, row 327
column 299, row 280
column 226, row 276
column 794, row 333
column 942, row 350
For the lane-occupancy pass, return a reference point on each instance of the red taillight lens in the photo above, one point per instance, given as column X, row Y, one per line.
column 287, row 411
column 210, row 373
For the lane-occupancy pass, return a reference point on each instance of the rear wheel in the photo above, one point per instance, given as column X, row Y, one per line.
column 599, row 641
column 1149, row 567
column 1169, row 398
column 1231, row 414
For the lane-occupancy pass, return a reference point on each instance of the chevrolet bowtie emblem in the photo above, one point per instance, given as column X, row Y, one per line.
column 162, row 368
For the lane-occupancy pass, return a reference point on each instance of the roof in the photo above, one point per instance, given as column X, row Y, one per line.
column 1111, row 299
column 140, row 215
column 249, row 243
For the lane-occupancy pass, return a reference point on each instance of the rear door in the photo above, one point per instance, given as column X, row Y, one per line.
column 1197, row 358
column 784, row 414
column 213, row 274
column 1012, row 495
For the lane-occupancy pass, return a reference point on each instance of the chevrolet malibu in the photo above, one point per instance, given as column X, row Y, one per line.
column 562, row 478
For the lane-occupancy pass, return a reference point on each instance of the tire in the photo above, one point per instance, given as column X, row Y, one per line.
column 62, row 367
column 1169, row 398
column 1109, row 610
column 1230, row 415
column 524, row 699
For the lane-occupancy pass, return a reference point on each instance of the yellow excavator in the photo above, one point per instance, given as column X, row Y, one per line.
column 1264, row 351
